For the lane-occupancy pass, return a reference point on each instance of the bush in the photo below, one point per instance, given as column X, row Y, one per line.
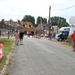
column 69, row 40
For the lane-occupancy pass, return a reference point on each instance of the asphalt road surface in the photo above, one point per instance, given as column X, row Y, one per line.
column 42, row 57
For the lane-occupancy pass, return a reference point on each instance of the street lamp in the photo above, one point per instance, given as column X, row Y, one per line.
column 9, row 26
column 9, row 31
column 49, row 21
column 41, row 26
column 16, row 27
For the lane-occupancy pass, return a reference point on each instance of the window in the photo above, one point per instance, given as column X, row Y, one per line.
column 29, row 26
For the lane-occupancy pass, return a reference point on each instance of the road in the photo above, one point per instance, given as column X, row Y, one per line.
column 42, row 57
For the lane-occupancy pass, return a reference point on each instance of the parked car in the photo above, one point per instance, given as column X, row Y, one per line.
column 62, row 36
column 63, row 33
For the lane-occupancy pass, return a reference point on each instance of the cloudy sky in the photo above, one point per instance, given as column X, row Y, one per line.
column 17, row 9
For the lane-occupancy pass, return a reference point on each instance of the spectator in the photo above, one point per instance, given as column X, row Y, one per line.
column 16, row 38
column 8, row 33
column 54, row 34
column 0, row 32
column 21, row 35
column 50, row 35
column 73, row 40
column 28, row 33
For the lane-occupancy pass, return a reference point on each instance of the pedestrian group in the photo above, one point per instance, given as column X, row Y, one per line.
column 19, row 37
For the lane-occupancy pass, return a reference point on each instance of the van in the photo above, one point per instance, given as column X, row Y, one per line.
column 63, row 33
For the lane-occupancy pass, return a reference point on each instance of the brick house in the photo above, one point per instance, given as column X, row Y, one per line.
column 19, row 25
column 28, row 27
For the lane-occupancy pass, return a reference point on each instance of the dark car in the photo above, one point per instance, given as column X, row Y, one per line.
column 62, row 36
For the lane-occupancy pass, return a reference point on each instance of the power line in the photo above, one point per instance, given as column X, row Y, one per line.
column 65, row 8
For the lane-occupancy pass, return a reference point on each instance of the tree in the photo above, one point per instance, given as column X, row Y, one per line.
column 57, row 20
column 29, row 18
column 39, row 19
column 10, row 21
column 44, row 20
column 35, row 25
column 64, row 24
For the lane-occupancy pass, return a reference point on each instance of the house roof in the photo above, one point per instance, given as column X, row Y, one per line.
column 26, row 23
column 13, row 23
column 41, row 26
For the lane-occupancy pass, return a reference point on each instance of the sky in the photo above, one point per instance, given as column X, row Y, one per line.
column 17, row 9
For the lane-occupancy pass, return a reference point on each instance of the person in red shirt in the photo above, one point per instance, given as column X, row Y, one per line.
column 73, row 40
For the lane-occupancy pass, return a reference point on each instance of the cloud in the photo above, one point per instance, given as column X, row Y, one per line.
column 19, row 8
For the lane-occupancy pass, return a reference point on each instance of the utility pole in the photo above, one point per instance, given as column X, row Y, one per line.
column 49, row 21
column 40, row 25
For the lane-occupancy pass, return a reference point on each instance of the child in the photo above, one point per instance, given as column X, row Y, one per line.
column 16, row 37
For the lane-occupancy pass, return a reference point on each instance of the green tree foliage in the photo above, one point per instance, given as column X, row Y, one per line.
column 44, row 20
column 57, row 20
column 10, row 21
column 35, row 25
column 39, row 19
column 69, row 40
column 64, row 24
column 29, row 18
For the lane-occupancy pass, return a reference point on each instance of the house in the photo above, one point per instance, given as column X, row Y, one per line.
column 56, row 29
column 19, row 25
column 11, row 25
column 28, row 27
column 3, row 26
column 44, row 29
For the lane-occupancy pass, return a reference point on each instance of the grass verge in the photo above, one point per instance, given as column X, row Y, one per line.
column 7, row 43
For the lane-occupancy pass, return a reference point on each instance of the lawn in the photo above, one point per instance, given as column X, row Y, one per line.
column 7, row 43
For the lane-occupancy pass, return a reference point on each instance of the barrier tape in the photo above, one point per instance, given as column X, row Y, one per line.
column 1, row 52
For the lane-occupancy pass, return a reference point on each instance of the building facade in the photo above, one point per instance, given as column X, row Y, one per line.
column 44, row 29
column 9, row 25
column 28, row 27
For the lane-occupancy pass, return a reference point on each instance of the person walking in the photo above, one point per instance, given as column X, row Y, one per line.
column 21, row 35
column 73, row 40
column 16, row 37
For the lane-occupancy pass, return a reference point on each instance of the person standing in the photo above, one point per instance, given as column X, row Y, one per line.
column 8, row 33
column 0, row 32
column 50, row 35
column 21, row 35
column 28, row 33
column 73, row 40
column 16, row 37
